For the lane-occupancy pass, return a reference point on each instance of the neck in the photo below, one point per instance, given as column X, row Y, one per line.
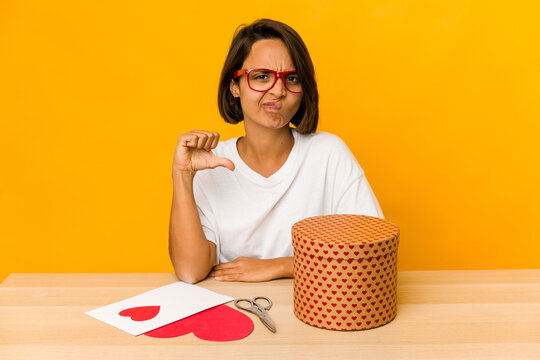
column 270, row 146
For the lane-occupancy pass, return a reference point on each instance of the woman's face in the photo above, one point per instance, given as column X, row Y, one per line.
column 273, row 108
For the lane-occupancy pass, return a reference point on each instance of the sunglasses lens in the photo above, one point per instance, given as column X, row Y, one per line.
column 263, row 80
column 292, row 81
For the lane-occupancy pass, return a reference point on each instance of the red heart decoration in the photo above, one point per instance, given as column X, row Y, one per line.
column 220, row 323
column 140, row 313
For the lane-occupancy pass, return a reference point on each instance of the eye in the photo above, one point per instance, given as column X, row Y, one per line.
column 260, row 75
column 293, row 78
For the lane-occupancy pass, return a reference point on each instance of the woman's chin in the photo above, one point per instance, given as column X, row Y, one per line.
column 269, row 121
column 275, row 122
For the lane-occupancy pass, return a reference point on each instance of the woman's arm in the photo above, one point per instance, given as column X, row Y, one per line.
column 250, row 269
column 192, row 255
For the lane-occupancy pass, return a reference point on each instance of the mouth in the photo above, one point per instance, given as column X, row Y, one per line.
column 271, row 106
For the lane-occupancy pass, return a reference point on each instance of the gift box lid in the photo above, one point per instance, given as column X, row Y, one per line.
column 345, row 236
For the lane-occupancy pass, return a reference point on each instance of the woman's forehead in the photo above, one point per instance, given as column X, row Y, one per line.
column 269, row 53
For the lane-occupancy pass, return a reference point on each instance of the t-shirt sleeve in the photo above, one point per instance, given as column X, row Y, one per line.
column 359, row 199
column 352, row 192
column 206, row 215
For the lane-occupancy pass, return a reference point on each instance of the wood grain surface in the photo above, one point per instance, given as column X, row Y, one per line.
column 488, row 314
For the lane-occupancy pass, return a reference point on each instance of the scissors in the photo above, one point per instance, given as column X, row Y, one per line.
column 260, row 310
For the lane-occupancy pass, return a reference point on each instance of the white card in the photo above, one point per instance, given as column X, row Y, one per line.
column 158, row 307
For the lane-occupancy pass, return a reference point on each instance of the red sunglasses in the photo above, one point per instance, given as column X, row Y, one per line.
column 264, row 79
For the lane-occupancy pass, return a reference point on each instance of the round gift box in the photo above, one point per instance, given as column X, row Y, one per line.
column 345, row 271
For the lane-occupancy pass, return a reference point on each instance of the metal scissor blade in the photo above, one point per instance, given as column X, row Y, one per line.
column 267, row 321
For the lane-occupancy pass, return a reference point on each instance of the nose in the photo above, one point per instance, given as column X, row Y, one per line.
column 279, row 89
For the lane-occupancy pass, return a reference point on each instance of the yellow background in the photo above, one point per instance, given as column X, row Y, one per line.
column 437, row 100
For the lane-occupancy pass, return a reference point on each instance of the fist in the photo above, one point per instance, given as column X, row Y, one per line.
column 193, row 152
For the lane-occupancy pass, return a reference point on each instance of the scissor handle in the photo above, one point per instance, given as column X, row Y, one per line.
column 243, row 307
column 254, row 305
column 262, row 307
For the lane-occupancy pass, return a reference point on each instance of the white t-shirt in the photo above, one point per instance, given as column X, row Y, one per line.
column 247, row 214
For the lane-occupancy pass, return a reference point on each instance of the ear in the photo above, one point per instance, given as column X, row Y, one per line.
column 235, row 89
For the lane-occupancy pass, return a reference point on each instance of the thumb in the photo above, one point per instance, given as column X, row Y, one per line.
column 222, row 161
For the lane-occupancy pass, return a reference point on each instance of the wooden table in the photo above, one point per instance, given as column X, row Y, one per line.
column 491, row 314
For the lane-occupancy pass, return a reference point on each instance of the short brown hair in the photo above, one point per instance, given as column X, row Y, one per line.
column 307, row 116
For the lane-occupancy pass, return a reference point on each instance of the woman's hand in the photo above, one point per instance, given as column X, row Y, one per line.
column 193, row 152
column 249, row 269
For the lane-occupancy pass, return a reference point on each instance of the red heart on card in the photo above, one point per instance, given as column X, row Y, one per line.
column 220, row 323
column 140, row 313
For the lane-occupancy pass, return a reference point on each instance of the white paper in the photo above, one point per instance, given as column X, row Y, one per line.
column 177, row 301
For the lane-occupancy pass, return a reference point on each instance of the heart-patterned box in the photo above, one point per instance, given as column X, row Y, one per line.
column 345, row 271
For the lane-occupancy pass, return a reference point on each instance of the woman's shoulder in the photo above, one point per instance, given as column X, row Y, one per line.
column 323, row 141
column 324, row 147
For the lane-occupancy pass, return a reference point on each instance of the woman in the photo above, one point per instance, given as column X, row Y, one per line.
column 234, row 202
